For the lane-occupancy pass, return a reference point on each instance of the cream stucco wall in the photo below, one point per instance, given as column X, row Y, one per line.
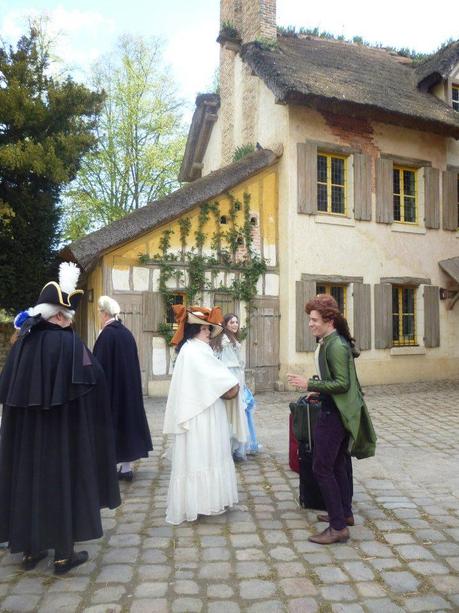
column 330, row 245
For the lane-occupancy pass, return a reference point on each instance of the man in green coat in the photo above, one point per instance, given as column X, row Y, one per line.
column 343, row 424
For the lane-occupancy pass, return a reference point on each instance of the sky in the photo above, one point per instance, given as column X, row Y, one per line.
column 89, row 28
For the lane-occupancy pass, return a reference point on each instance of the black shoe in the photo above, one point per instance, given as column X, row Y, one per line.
column 29, row 562
column 129, row 476
column 63, row 566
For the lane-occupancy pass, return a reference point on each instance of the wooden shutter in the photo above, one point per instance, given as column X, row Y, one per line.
column 383, row 315
column 362, row 315
column 362, row 186
column 384, row 191
column 305, row 341
column 431, row 316
column 226, row 301
column 432, row 197
column 153, row 311
column 307, row 178
column 450, row 200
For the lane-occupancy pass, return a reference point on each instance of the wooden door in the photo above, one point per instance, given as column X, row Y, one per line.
column 263, row 342
column 132, row 317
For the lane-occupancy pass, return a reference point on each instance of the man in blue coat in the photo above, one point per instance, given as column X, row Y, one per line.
column 116, row 350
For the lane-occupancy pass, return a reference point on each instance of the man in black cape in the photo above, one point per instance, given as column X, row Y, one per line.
column 116, row 350
column 57, row 459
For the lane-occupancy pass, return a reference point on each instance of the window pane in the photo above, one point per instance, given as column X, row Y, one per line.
column 410, row 209
column 395, row 332
column 321, row 289
column 408, row 299
column 397, row 208
column 409, row 183
column 321, row 169
column 337, row 199
column 396, row 181
column 337, row 170
column 321, row 197
column 408, row 327
column 394, row 299
column 338, row 295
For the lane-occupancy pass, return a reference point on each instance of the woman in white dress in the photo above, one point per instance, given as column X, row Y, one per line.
column 240, row 409
column 203, row 478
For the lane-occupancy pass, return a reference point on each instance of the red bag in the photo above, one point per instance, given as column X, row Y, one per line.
column 292, row 448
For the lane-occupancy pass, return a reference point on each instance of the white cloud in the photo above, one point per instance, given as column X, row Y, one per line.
column 80, row 36
column 393, row 23
column 193, row 55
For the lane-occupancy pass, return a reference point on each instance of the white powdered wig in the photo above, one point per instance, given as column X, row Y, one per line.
column 109, row 306
column 47, row 311
column 68, row 276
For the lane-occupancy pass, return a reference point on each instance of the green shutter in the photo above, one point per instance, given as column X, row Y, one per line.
column 431, row 316
column 305, row 341
column 384, row 191
column 362, row 187
column 432, row 197
column 383, row 315
column 307, row 178
column 362, row 315
column 153, row 311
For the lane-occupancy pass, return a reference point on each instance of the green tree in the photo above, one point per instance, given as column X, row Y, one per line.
column 140, row 135
column 46, row 125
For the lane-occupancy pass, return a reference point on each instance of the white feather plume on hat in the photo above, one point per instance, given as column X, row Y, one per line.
column 68, row 276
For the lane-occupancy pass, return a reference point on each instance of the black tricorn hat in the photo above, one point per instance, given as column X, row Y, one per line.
column 53, row 294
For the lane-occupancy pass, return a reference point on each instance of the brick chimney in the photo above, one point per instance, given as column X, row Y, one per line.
column 253, row 19
column 241, row 21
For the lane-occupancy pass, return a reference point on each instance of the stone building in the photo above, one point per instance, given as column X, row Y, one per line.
column 353, row 190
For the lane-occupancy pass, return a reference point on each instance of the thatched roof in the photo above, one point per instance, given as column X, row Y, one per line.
column 204, row 117
column 343, row 77
column 438, row 66
column 87, row 250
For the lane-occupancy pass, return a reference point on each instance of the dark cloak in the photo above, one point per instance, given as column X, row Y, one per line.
column 57, row 457
column 116, row 350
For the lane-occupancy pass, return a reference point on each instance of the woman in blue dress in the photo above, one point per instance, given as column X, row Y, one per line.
column 227, row 347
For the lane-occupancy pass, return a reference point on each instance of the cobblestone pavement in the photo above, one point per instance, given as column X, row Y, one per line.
column 403, row 554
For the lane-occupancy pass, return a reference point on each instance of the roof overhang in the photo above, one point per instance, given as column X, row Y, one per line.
column 451, row 267
column 87, row 251
column 333, row 105
column 204, row 117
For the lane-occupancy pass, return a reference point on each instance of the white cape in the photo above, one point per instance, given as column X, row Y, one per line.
column 203, row 478
column 231, row 357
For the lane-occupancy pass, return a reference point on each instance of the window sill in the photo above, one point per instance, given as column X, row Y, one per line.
column 334, row 220
column 408, row 229
column 408, row 351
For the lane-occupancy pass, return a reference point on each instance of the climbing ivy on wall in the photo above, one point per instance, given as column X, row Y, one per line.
column 231, row 250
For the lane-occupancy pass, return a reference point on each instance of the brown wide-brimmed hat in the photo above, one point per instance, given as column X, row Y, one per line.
column 196, row 315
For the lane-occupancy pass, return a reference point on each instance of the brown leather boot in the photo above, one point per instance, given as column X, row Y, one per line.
column 349, row 520
column 329, row 536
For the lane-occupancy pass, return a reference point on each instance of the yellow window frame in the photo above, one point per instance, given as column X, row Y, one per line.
column 326, row 288
column 402, row 195
column 455, row 102
column 405, row 341
column 330, row 185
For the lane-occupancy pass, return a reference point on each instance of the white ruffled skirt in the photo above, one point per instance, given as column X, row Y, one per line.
column 203, row 477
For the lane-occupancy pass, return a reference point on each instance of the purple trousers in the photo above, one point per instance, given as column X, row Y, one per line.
column 329, row 465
